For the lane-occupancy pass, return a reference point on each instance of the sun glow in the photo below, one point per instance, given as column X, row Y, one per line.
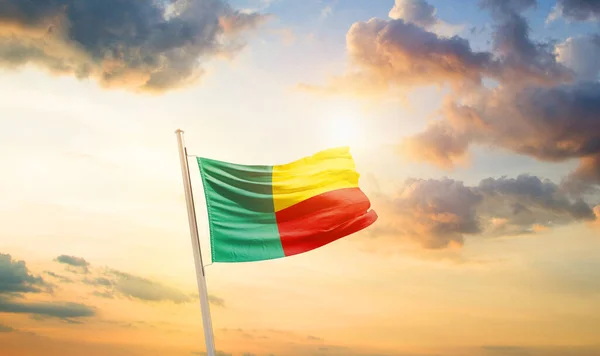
column 343, row 127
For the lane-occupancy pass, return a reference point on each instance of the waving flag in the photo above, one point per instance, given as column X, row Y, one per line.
column 262, row 212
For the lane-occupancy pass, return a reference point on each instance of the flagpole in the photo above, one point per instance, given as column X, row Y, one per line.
column 200, row 276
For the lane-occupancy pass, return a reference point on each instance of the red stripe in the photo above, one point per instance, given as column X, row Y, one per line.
column 323, row 219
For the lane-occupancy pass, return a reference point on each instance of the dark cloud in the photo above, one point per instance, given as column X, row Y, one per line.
column 55, row 309
column 507, row 6
column 418, row 12
column 577, row 10
column 439, row 213
column 138, row 45
column 528, row 204
column 73, row 261
column 523, row 61
column 16, row 278
column 551, row 124
column 532, row 190
column 434, row 213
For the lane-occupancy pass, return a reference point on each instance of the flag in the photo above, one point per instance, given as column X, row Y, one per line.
column 263, row 212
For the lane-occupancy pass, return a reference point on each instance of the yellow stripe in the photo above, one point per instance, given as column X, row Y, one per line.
column 310, row 176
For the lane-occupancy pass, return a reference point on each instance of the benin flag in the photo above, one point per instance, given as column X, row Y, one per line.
column 259, row 212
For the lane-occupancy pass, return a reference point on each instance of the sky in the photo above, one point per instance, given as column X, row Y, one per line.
column 474, row 124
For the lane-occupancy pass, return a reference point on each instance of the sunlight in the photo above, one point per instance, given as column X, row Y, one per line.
column 343, row 127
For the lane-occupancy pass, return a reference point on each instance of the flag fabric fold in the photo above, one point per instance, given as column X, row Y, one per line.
column 263, row 212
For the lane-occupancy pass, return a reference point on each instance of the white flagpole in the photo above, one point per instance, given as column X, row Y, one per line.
column 200, row 276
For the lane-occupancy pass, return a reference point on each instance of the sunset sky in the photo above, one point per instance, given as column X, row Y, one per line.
column 475, row 126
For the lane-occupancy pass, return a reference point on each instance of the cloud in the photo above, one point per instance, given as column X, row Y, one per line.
column 60, row 310
column 6, row 329
column 238, row 22
column 551, row 124
column 16, row 278
column 552, row 115
column 418, row 12
column 441, row 143
column 73, row 261
column 440, row 213
column 99, row 281
column 326, row 11
column 405, row 52
column 530, row 204
column 540, row 99
column 394, row 53
column 216, row 301
column 142, row 46
column 118, row 283
column 576, row 10
column 581, row 54
column 434, row 213
column 113, row 283
column 423, row 14
column 131, row 286
column 523, row 61
column 104, row 294
column 59, row 277
column 508, row 6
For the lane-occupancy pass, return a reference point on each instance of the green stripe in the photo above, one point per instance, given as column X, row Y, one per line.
column 239, row 200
